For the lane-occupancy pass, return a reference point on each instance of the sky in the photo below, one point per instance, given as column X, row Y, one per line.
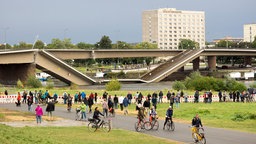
column 88, row 20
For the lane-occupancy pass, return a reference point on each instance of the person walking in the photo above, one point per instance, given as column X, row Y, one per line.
column 39, row 113
column 49, row 109
column 120, row 100
column 126, row 103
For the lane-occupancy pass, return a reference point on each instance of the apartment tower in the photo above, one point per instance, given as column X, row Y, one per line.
column 249, row 32
column 167, row 26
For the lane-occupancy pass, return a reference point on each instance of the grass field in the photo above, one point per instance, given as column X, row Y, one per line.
column 68, row 135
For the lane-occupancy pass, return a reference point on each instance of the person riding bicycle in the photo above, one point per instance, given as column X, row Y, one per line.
column 152, row 114
column 96, row 115
column 141, row 113
column 196, row 122
column 168, row 115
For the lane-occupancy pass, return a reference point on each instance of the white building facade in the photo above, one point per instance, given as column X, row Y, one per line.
column 167, row 26
column 249, row 32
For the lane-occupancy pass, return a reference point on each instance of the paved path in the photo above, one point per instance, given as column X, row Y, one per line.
column 182, row 132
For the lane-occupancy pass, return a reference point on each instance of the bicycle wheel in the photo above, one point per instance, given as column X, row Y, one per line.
column 156, row 125
column 106, row 127
column 194, row 137
column 92, row 127
column 147, row 125
column 138, row 126
column 168, row 125
column 172, row 126
column 203, row 141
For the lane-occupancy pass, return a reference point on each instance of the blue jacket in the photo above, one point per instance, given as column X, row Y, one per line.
column 169, row 113
column 125, row 102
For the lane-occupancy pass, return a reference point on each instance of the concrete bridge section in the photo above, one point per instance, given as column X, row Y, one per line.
column 20, row 64
column 15, row 65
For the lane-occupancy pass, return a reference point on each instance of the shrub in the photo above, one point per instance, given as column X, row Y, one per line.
column 49, row 84
column 113, row 85
column 20, row 84
column 33, row 82
column 178, row 85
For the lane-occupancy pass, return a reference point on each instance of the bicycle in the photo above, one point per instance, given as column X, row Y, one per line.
column 78, row 114
column 93, row 125
column 170, row 125
column 198, row 137
column 142, row 124
column 154, row 124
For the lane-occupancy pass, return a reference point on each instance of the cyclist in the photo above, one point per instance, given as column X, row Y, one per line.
column 168, row 115
column 96, row 115
column 141, row 113
column 152, row 114
column 196, row 122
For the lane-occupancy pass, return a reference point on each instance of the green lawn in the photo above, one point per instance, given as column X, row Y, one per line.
column 238, row 116
column 75, row 135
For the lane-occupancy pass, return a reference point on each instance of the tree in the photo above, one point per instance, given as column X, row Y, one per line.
column 188, row 44
column 104, row 43
column 145, row 45
column 8, row 46
column 22, row 45
column 83, row 45
column 39, row 44
column 121, row 45
column 61, row 44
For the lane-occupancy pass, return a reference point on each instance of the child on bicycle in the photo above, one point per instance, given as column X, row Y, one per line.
column 152, row 114
column 168, row 115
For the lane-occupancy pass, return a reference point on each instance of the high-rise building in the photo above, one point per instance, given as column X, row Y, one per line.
column 167, row 26
column 249, row 32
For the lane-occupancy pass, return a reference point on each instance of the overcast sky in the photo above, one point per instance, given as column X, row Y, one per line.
column 88, row 20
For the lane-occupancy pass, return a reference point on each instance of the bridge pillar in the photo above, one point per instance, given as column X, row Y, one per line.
column 181, row 69
column 10, row 73
column 212, row 63
column 247, row 60
column 196, row 64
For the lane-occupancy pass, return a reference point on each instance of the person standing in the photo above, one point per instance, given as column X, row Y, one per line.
column 95, row 97
column 90, row 102
column 49, row 109
column 120, row 100
column 83, row 111
column 39, row 113
column 160, row 97
column 18, row 99
column 30, row 102
column 129, row 96
column 220, row 96
column 196, row 97
column 116, row 102
column 125, row 103
column 146, row 105
column 105, row 108
column 210, row 97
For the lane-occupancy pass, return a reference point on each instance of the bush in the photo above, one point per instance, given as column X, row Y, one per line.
column 178, row 85
column 20, row 84
column 33, row 82
column 113, row 85
column 50, row 84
